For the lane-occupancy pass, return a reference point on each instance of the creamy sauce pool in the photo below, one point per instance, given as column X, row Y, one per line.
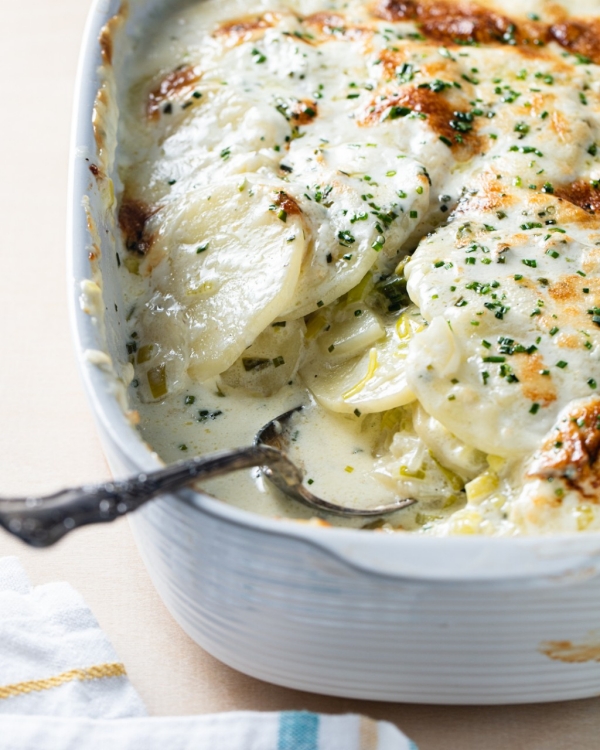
column 334, row 452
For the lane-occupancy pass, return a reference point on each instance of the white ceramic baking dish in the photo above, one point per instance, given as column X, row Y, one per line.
column 348, row 613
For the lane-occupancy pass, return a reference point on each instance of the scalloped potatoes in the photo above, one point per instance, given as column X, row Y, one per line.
column 386, row 211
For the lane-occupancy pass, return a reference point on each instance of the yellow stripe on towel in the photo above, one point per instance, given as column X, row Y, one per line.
column 89, row 673
column 369, row 734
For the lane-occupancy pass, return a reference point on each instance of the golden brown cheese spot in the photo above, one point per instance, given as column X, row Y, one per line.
column 325, row 22
column 450, row 25
column 570, row 341
column 569, row 212
column 244, row 29
column 491, row 197
column 441, row 115
column 391, row 61
column 571, row 450
column 180, row 82
column 326, row 26
column 568, row 290
column 133, row 217
column 107, row 34
column 571, row 307
column 396, row 10
column 560, row 126
column 580, row 37
column 106, row 45
column 302, row 111
column 470, row 23
column 583, row 194
column 460, row 23
column 287, row 203
column 535, row 386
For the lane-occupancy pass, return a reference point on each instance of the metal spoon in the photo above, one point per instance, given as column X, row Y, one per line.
column 274, row 435
column 42, row 521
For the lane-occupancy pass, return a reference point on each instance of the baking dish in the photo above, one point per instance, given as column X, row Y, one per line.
column 341, row 612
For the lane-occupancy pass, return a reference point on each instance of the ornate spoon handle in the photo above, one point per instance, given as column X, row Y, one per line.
column 41, row 522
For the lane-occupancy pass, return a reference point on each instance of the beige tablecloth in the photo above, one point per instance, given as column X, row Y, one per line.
column 47, row 438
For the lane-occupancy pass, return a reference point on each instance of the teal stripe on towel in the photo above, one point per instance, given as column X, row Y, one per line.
column 298, row 730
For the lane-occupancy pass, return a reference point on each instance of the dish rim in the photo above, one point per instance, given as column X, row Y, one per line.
column 545, row 560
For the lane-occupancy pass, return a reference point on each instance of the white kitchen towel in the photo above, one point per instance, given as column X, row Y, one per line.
column 62, row 687
column 54, row 659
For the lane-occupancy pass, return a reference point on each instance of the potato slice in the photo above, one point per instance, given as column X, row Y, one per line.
column 464, row 460
column 373, row 381
column 266, row 366
column 161, row 351
column 231, row 255
column 361, row 203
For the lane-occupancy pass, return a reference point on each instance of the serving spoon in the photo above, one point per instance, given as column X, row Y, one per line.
column 42, row 521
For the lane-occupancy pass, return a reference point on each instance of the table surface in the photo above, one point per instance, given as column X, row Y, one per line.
column 48, row 438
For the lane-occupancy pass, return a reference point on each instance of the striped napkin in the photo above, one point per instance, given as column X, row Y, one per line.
column 58, row 668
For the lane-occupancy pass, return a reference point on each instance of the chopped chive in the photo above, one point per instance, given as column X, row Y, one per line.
column 346, row 238
column 379, row 243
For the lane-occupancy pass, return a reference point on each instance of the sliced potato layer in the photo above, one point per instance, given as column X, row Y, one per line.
column 361, row 204
column 271, row 362
column 373, row 377
column 511, row 297
column 231, row 254
column 161, row 349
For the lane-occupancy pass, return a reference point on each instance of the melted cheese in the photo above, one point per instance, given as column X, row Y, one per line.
column 280, row 162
